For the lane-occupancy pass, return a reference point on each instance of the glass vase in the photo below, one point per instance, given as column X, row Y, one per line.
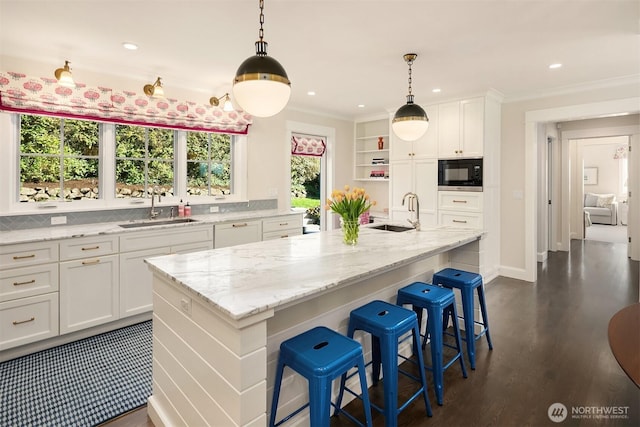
column 350, row 230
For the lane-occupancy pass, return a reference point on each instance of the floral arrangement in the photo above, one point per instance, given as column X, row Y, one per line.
column 349, row 203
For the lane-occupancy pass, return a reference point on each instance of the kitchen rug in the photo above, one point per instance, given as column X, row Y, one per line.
column 82, row 383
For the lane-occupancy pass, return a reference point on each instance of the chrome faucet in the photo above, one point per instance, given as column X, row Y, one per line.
column 411, row 208
column 153, row 212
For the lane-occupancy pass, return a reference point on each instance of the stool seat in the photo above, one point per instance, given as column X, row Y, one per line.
column 387, row 323
column 320, row 355
column 436, row 301
column 467, row 281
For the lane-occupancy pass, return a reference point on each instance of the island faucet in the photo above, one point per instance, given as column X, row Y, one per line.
column 411, row 208
column 153, row 212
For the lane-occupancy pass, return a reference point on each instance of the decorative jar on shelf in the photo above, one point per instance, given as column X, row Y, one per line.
column 380, row 143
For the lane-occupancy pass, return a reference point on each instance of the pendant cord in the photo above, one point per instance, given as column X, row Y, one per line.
column 261, row 32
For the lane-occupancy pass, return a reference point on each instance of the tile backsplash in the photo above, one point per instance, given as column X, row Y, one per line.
column 29, row 221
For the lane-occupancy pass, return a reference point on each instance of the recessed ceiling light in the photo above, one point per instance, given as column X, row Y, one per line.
column 554, row 66
column 436, row 90
column 360, row 105
column 130, row 46
column 311, row 93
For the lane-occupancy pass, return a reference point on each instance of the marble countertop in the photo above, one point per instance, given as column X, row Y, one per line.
column 102, row 228
column 244, row 280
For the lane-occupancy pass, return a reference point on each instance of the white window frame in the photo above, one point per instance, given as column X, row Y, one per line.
column 10, row 175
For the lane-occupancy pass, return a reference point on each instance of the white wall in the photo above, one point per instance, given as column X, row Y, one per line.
column 519, row 163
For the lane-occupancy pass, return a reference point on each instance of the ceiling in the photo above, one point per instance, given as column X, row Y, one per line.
column 349, row 52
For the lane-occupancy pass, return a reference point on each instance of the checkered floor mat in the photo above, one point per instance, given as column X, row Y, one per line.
column 83, row 383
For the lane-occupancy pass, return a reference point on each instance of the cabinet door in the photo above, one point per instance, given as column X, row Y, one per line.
column 88, row 292
column 136, row 294
column 237, row 233
column 472, row 127
column 27, row 320
column 449, row 130
column 401, row 183
column 427, row 145
column 425, row 184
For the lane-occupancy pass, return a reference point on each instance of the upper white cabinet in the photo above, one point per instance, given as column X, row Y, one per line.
column 372, row 150
column 461, row 128
column 424, row 147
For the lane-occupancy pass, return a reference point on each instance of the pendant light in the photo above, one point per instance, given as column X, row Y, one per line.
column 261, row 86
column 410, row 121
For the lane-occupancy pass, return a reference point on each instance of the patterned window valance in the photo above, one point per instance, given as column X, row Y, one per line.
column 44, row 96
column 307, row 145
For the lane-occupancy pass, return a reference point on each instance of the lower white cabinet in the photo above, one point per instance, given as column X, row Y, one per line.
column 237, row 233
column 280, row 227
column 27, row 320
column 135, row 281
column 89, row 292
column 460, row 219
column 461, row 208
column 419, row 176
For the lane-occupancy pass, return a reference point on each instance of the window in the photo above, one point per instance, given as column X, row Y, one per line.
column 208, row 164
column 144, row 160
column 59, row 159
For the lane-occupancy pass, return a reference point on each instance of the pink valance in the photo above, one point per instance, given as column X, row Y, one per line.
column 307, row 145
column 44, row 96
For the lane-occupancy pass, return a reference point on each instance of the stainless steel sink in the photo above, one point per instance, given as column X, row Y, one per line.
column 389, row 227
column 154, row 222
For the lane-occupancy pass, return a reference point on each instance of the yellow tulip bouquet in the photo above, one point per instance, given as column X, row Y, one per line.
column 350, row 204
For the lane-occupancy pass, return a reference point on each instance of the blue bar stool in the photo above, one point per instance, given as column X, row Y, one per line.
column 436, row 301
column 320, row 355
column 467, row 282
column 387, row 323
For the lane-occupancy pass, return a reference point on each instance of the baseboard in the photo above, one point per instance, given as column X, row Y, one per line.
column 514, row 273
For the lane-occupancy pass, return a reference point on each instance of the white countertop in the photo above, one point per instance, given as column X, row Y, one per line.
column 68, row 231
column 244, row 280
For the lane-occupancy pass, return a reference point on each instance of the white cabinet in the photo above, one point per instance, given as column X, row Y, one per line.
column 89, row 285
column 461, row 128
column 424, row 147
column 28, row 293
column 237, row 233
column 282, row 226
column 26, row 320
column 419, row 176
column 460, row 209
column 136, row 294
column 372, row 150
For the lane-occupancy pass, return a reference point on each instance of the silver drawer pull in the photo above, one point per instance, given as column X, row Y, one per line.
column 90, row 262
column 459, row 201
column 93, row 248
column 19, row 322
column 283, row 224
column 462, row 222
column 24, row 283
column 17, row 257
column 244, row 224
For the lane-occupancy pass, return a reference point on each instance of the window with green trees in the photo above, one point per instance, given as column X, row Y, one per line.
column 208, row 164
column 144, row 159
column 59, row 159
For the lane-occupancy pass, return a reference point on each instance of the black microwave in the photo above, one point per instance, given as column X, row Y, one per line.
column 460, row 174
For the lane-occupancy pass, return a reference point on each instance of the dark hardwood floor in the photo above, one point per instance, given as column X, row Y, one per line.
column 550, row 345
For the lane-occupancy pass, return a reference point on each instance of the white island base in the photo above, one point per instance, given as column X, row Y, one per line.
column 220, row 316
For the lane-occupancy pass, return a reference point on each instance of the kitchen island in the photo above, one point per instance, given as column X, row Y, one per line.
column 220, row 315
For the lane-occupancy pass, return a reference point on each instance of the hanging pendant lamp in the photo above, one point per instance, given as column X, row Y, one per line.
column 410, row 121
column 261, row 86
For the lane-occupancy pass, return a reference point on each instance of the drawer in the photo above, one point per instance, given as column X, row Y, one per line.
column 142, row 240
column 282, row 223
column 24, row 254
column 460, row 219
column 27, row 320
column 28, row 281
column 460, row 201
column 85, row 247
column 281, row 234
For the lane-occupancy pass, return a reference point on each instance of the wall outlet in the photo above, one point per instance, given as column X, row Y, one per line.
column 57, row 220
column 185, row 305
column 214, row 209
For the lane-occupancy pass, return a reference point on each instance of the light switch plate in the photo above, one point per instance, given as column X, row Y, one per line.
column 57, row 220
